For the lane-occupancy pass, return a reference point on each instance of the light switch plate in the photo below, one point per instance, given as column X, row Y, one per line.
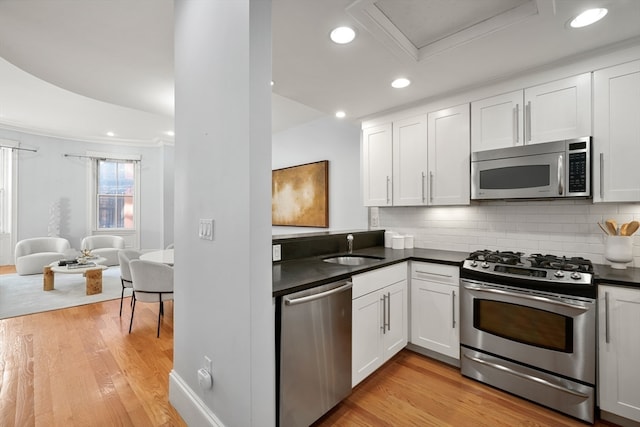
column 205, row 229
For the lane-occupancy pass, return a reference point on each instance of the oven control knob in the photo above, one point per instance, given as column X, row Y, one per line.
column 474, row 263
column 485, row 264
column 576, row 276
column 559, row 273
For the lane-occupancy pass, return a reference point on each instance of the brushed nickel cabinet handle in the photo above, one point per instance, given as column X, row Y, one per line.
column 601, row 175
column 384, row 313
column 453, row 310
column 606, row 318
column 431, row 175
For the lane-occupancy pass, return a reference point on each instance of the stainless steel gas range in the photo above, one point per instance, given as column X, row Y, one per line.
column 528, row 326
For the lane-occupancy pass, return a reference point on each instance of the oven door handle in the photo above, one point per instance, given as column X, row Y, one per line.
column 527, row 377
column 529, row 297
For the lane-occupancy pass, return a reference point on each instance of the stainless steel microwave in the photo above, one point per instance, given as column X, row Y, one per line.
column 547, row 170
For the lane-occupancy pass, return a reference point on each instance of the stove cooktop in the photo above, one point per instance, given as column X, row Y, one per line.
column 552, row 262
column 552, row 273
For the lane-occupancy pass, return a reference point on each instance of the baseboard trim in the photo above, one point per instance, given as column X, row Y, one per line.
column 617, row 419
column 189, row 405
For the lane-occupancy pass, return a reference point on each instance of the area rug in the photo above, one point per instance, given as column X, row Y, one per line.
column 20, row 295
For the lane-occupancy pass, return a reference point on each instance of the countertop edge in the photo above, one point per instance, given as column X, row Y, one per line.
column 300, row 274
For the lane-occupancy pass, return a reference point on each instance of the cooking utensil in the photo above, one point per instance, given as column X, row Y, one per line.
column 632, row 227
column 603, row 228
column 612, row 226
column 623, row 229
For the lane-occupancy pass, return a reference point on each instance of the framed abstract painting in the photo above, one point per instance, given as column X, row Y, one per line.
column 300, row 195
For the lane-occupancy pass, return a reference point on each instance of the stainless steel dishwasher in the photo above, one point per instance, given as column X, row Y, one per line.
column 314, row 358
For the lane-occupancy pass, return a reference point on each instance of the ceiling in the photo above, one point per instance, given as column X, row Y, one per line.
column 79, row 69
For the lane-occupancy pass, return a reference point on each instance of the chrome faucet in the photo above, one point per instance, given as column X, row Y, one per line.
column 350, row 243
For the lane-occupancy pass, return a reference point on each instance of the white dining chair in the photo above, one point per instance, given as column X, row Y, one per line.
column 152, row 282
column 125, row 256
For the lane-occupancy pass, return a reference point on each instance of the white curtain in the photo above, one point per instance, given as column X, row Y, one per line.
column 6, row 196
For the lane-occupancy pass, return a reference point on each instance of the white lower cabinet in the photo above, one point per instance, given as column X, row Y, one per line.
column 379, row 318
column 619, row 351
column 435, row 308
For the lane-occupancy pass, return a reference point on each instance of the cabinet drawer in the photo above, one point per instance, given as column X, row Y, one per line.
column 440, row 273
column 376, row 279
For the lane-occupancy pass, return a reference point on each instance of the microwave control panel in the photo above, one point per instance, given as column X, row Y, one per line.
column 578, row 168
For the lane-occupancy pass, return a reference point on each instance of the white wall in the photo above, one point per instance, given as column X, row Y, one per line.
column 339, row 142
column 47, row 176
column 223, row 304
column 169, row 194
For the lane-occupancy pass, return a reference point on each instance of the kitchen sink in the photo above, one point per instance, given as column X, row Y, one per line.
column 352, row 259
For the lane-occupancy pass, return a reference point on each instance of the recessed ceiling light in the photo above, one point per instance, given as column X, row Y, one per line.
column 170, row 133
column 400, row 83
column 111, row 134
column 343, row 35
column 341, row 114
column 588, row 17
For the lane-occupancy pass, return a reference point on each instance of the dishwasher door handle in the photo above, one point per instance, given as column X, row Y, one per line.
column 313, row 297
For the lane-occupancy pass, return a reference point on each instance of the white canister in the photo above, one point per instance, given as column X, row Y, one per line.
column 408, row 241
column 388, row 235
column 619, row 251
column 397, row 242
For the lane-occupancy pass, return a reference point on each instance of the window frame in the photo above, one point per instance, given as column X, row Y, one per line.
column 92, row 188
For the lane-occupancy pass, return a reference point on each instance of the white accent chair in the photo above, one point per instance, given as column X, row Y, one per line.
column 104, row 246
column 152, row 282
column 32, row 255
column 125, row 256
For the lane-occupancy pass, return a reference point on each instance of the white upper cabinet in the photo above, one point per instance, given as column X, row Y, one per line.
column 558, row 110
column 449, row 156
column 376, row 166
column 616, row 133
column 496, row 122
column 548, row 112
column 410, row 165
column 418, row 161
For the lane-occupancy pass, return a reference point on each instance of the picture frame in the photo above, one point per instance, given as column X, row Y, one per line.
column 300, row 195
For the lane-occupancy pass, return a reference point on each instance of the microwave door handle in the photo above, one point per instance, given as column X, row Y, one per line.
column 560, row 175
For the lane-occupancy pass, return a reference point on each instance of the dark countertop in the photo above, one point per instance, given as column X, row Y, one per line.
column 606, row 275
column 299, row 274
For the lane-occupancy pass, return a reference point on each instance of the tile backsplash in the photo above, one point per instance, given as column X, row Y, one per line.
column 560, row 227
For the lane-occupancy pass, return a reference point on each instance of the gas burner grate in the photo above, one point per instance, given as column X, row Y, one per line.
column 561, row 263
column 501, row 257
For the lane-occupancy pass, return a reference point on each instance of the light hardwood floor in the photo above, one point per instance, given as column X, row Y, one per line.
column 80, row 367
column 413, row 390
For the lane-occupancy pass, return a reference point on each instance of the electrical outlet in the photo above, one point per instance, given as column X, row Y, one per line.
column 276, row 253
column 374, row 217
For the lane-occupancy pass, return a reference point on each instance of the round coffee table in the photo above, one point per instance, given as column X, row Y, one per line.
column 92, row 273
